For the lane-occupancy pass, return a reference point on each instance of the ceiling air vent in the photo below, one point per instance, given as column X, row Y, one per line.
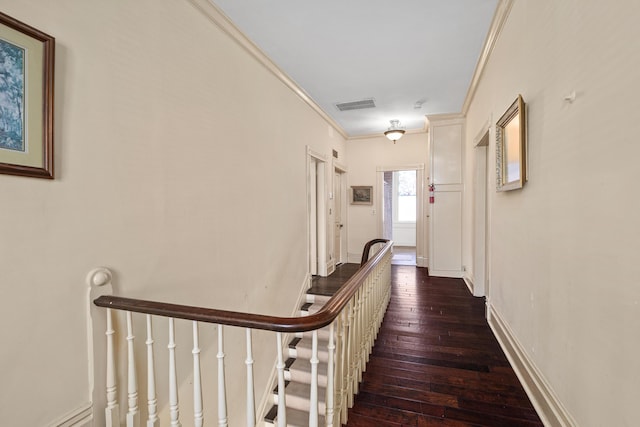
column 356, row 105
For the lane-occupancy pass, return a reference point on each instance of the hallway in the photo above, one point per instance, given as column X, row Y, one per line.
column 436, row 362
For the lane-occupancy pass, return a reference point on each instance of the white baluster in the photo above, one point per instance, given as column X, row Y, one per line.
column 198, row 417
column 370, row 323
column 282, row 406
column 330, row 399
column 313, row 395
column 357, row 342
column 363, row 330
column 251, row 399
column 153, row 420
column 222, row 389
column 174, row 409
column 350, row 363
column 342, row 365
column 133, row 415
column 112, row 411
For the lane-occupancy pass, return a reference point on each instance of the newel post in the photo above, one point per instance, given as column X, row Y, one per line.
column 101, row 351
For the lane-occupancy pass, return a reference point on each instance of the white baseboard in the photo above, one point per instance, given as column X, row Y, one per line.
column 469, row 283
column 80, row 417
column 446, row 273
column 422, row 261
column 546, row 403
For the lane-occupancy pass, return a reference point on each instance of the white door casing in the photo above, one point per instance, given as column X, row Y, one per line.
column 317, row 214
column 421, row 246
column 340, row 213
column 479, row 236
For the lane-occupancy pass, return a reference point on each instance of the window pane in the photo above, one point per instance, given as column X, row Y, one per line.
column 406, row 183
column 407, row 208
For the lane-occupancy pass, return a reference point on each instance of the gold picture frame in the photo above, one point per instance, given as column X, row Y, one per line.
column 511, row 147
column 26, row 99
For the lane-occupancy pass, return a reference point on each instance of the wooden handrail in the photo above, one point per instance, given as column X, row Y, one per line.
column 367, row 249
column 322, row 318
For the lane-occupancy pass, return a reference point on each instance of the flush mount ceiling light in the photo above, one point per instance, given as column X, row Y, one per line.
column 395, row 132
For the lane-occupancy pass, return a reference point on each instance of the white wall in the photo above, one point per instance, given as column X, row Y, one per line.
column 366, row 155
column 564, row 250
column 180, row 161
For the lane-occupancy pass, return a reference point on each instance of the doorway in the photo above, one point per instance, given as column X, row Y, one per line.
column 339, row 214
column 480, row 214
column 400, row 215
column 317, row 218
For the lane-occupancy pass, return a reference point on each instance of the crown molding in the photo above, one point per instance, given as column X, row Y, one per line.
column 499, row 18
column 446, row 118
column 223, row 22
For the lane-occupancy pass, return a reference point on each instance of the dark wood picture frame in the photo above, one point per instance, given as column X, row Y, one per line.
column 36, row 51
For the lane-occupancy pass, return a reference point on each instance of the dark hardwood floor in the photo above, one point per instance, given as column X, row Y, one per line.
column 330, row 285
column 436, row 362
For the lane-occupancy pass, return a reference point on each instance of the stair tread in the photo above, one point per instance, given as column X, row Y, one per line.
column 311, row 308
column 298, row 396
column 300, row 348
column 304, row 365
column 317, row 298
column 300, row 372
column 295, row 417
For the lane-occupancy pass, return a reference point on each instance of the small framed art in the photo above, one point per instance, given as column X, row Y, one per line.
column 361, row 195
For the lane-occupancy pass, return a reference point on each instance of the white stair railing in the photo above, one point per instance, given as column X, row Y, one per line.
column 112, row 411
column 282, row 405
column 174, row 409
column 251, row 398
column 222, row 389
column 353, row 317
column 198, row 411
column 153, row 420
column 133, row 416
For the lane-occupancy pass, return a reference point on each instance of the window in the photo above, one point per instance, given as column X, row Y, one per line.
column 404, row 183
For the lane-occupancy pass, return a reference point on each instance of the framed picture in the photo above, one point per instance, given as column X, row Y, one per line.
column 511, row 147
column 26, row 99
column 361, row 195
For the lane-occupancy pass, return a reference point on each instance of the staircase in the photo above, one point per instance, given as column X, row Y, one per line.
column 324, row 361
column 298, row 372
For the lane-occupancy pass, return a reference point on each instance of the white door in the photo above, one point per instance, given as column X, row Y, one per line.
column 338, row 224
column 446, row 175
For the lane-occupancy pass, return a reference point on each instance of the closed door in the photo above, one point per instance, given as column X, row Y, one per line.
column 445, row 237
column 339, row 226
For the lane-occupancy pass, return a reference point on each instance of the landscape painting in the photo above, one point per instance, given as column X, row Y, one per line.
column 361, row 195
column 27, row 64
column 12, row 93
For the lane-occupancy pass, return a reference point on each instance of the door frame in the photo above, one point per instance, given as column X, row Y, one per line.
column 421, row 237
column 339, row 168
column 480, row 234
column 317, row 218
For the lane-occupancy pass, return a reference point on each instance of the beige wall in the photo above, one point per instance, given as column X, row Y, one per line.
column 180, row 161
column 564, row 250
column 366, row 155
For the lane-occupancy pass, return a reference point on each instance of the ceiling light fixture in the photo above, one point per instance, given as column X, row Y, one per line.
column 395, row 132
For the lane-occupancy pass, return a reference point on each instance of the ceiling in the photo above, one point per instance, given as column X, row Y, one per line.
column 412, row 57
